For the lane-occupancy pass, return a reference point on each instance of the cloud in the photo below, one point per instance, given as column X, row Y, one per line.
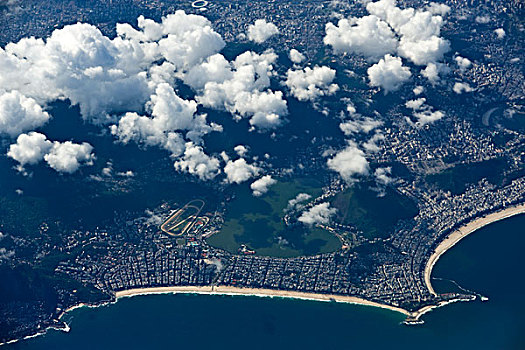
column 66, row 157
column 383, row 179
column 500, row 32
column 296, row 56
column 463, row 63
column 367, row 36
column 6, row 254
column 389, row 73
column 349, row 162
column 240, row 87
column 172, row 120
column 295, row 203
column 482, row 19
column 433, row 70
column 196, row 162
column 423, row 112
column 239, row 171
column 318, row 214
column 309, row 84
column 416, row 104
column 438, row 9
column 460, row 88
column 365, row 125
column 19, row 114
column 240, row 150
column 371, row 144
column 29, row 148
column 428, row 116
column 261, row 31
column 260, row 186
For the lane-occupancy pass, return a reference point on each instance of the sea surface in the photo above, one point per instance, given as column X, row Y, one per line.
column 489, row 262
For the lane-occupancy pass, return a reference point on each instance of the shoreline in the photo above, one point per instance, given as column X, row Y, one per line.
column 453, row 238
column 257, row 292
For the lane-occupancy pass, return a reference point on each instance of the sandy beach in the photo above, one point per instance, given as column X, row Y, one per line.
column 464, row 231
column 224, row 290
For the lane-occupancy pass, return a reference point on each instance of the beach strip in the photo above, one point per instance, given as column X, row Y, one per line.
column 227, row 290
column 464, row 231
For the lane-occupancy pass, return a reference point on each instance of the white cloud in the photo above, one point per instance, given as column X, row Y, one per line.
column 463, row 63
column 482, row 19
column 418, row 90
column 433, row 70
column 296, row 56
column 416, row 104
column 19, row 114
column 389, row 73
column 261, row 31
column 372, row 144
column 172, row 119
column 6, row 254
column 309, row 84
column 349, row 162
column 29, row 148
column 260, row 186
column 241, row 87
column 196, row 162
column 438, row 9
column 64, row 157
column 296, row 203
column 239, row 171
column 428, row 116
column 500, row 32
column 460, row 88
column 412, row 34
column 240, row 150
column 423, row 112
column 366, row 36
column 382, row 176
column 318, row 214
column 68, row 157
column 365, row 124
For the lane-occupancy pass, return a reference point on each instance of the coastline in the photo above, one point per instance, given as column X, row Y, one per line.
column 456, row 236
column 227, row 290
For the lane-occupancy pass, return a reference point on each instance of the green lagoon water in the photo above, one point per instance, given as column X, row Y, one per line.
column 489, row 262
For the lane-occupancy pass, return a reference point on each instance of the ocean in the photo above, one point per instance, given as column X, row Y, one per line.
column 488, row 262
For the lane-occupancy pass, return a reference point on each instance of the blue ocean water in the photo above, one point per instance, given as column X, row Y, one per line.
column 488, row 262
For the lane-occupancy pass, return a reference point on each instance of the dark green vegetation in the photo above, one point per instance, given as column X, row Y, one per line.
column 257, row 222
column 359, row 206
column 457, row 179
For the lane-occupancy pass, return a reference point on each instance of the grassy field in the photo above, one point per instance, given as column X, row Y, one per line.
column 257, row 222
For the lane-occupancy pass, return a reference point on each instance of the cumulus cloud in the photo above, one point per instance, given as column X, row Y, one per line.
column 482, row 19
column 423, row 112
column 172, row 120
column 318, row 214
column 367, row 36
column 365, row 125
column 389, row 73
column 296, row 56
column 296, row 203
column 19, row 114
column 239, row 171
column 261, row 31
column 410, row 33
column 260, row 186
column 309, row 84
column 463, row 63
column 196, row 162
column 65, row 157
column 240, row 150
column 372, row 144
column 240, row 87
column 460, row 88
column 500, row 32
column 349, row 163
column 433, row 70
column 29, row 148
